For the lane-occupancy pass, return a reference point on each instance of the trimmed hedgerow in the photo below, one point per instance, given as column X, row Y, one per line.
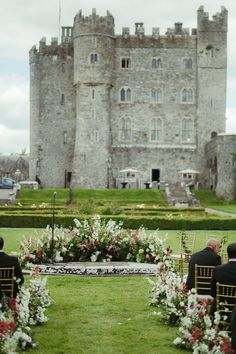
column 132, row 222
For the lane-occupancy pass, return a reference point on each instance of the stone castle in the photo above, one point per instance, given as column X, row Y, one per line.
column 101, row 102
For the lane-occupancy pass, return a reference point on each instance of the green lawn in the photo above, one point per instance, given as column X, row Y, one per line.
column 102, row 315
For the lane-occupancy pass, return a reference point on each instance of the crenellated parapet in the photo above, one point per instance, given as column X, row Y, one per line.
column 62, row 50
column 218, row 23
column 93, row 24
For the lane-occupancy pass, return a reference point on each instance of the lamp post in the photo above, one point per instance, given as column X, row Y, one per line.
column 108, row 172
column 53, row 201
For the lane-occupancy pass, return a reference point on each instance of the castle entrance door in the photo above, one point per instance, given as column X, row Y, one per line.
column 156, row 175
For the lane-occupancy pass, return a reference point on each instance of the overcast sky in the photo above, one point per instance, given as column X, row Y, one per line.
column 25, row 22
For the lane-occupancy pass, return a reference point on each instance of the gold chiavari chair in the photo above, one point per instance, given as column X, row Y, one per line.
column 202, row 279
column 7, row 281
column 186, row 246
column 225, row 302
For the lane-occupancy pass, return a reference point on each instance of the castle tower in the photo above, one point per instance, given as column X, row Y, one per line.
column 35, row 143
column 211, row 77
column 52, row 111
column 93, row 74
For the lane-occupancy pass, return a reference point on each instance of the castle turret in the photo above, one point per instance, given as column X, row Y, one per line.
column 211, row 76
column 93, row 75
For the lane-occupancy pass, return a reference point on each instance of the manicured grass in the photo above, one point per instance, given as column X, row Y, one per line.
column 123, row 196
column 102, row 315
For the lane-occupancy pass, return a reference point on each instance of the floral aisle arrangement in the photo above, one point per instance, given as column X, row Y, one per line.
column 32, row 301
column 199, row 333
column 170, row 295
column 17, row 315
column 96, row 241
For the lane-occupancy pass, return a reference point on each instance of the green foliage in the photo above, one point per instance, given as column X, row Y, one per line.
column 132, row 222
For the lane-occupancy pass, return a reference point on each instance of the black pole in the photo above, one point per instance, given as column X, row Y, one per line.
column 53, row 218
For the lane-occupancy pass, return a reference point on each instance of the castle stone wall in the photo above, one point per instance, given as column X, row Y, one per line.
column 104, row 131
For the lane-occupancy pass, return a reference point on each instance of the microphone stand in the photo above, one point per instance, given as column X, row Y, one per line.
column 53, row 219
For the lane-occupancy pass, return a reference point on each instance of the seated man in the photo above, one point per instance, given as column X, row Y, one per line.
column 226, row 273
column 207, row 257
column 11, row 261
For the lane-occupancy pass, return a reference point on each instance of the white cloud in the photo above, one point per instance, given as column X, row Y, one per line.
column 14, row 101
column 13, row 140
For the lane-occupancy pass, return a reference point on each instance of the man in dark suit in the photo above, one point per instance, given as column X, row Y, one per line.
column 207, row 257
column 226, row 273
column 10, row 261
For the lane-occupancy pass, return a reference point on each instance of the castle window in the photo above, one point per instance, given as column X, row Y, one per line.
column 187, row 130
column 126, row 63
column 62, row 99
column 156, row 128
column 125, row 129
column 93, row 58
column 96, row 135
column 65, row 137
column 63, row 67
column 93, row 93
column 156, row 95
column 156, row 63
column 187, row 96
column 187, row 63
column 125, row 95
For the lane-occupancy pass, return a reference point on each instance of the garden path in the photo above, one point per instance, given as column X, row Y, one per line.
column 219, row 212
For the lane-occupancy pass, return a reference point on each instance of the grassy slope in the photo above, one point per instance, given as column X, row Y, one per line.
column 209, row 199
column 102, row 315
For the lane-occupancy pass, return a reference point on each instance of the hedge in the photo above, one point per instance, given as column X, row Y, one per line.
column 132, row 222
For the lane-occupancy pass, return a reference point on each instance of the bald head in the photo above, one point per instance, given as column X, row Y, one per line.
column 214, row 245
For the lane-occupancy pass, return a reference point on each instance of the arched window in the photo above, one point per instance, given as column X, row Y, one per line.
column 156, row 129
column 156, row 63
column 187, row 63
column 187, row 130
column 187, row 95
column 125, row 129
column 93, row 58
column 125, row 94
column 156, row 95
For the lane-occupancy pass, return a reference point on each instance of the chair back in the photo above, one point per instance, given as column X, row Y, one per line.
column 202, row 278
column 187, row 242
column 225, row 301
column 7, row 281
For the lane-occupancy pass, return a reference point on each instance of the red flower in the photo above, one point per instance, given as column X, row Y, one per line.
column 196, row 334
column 39, row 252
column 226, row 346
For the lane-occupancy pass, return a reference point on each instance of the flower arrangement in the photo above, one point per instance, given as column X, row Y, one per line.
column 199, row 333
column 96, row 241
column 170, row 295
column 17, row 314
